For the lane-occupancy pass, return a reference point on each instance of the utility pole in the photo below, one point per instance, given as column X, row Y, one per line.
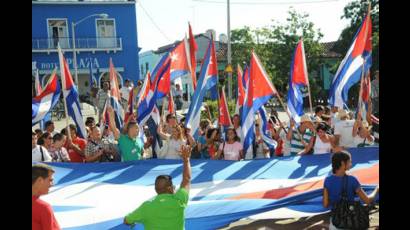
column 229, row 51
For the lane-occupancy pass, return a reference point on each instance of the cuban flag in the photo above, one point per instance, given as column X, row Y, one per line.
column 224, row 118
column 350, row 70
column 114, row 98
column 71, row 96
column 180, row 60
column 221, row 192
column 43, row 103
column 155, row 86
column 193, row 47
column 266, row 136
column 208, row 79
column 297, row 80
column 259, row 90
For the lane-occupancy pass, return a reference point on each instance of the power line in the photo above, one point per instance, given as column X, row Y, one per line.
column 153, row 22
column 266, row 3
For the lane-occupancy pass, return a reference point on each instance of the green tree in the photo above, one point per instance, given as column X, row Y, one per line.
column 355, row 13
column 275, row 45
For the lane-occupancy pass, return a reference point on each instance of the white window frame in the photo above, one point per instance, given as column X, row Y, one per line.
column 50, row 35
column 96, row 29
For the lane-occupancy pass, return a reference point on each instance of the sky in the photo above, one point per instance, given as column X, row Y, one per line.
column 161, row 22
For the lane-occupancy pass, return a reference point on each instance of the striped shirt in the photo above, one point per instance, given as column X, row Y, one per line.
column 295, row 144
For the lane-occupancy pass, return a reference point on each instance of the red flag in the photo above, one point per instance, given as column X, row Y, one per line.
column 299, row 73
column 364, row 37
column 224, row 118
column 193, row 47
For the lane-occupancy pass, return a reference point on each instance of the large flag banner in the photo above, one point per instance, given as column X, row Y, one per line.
column 298, row 79
column 115, row 98
column 71, row 96
column 88, row 196
column 46, row 100
column 193, row 47
column 180, row 60
column 350, row 69
column 208, row 79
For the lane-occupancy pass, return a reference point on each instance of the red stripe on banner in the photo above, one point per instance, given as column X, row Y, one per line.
column 365, row 176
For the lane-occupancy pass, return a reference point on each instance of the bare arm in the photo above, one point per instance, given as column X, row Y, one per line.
column 289, row 135
column 364, row 197
column 325, row 198
column 94, row 158
column 357, row 124
column 308, row 147
column 186, row 175
column 161, row 133
column 114, row 129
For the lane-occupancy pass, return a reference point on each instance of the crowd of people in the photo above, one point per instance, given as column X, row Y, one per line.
column 327, row 130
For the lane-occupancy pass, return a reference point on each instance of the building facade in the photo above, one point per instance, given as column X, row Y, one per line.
column 102, row 30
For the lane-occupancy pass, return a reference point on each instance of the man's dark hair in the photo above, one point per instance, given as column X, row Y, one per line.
column 73, row 128
column 89, row 121
column 327, row 109
column 169, row 116
column 64, row 131
column 58, row 137
column 338, row 158
column 319, row 108
column 42, row 138
column 37, row 131
column 127, row 80
column 33, row 133
column 131, row 124
column 48, row 123
column 40, row 170
column 322, row 126
column 162, row 182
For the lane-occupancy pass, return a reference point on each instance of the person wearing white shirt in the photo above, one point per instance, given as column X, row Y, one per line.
column 125, row 93
column 38, row 153
column 343, row 130
column 172, row 143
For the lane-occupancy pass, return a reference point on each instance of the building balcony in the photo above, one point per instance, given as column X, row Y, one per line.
column 48, row 45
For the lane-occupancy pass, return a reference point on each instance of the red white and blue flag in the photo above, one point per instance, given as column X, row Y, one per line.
column 114, row 98
column 297, row 80
column 71, row 96
column 258, row 91
column 180, row 60
column 45, row 101
column 350, row 70
column 155, row 87
column 208, row 79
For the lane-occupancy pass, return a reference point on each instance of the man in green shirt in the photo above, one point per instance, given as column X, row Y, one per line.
column 131, row 147
column 166, row 210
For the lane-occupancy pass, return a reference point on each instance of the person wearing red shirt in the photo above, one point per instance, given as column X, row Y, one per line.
column 42, row 215
column 75, row 146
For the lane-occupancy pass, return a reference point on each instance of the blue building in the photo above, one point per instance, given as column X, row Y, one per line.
column 103, row 30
